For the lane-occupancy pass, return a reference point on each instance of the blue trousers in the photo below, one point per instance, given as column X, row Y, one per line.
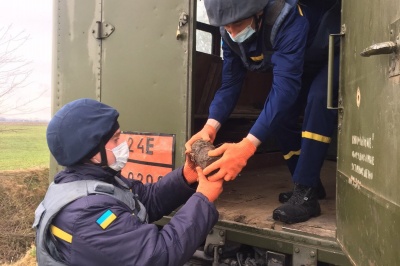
column 304, row 147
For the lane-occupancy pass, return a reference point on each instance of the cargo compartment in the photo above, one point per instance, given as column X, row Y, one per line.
column 251, row 198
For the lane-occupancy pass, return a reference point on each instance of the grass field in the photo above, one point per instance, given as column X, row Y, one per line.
column 23, row 146
column 24, row 162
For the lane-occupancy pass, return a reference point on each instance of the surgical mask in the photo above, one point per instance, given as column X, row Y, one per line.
column 121, row 153
column 244, row 34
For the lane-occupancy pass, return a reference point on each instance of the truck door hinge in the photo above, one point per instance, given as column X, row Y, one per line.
column 102, row 30
column 214, row 242
column 304, row 256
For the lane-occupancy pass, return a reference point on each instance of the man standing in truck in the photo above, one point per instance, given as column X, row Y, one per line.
column 91, row 215
column 291, row 39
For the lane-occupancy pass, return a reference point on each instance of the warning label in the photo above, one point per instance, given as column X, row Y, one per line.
column 151, row 156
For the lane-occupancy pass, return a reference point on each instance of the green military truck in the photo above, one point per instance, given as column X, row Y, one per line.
column 159, row 64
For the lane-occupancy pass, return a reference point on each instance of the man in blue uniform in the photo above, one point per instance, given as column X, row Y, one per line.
column 91, row 215
column 291, row 40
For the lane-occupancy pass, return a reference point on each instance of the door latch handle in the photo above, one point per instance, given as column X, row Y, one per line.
column 381, row 48
column 183, row 20
column 390, row 47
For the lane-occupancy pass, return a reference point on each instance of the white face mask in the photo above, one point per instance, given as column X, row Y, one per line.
column 244, row 34
column 121, row 153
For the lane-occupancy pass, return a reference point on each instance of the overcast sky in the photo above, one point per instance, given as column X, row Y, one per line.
column 34, row 17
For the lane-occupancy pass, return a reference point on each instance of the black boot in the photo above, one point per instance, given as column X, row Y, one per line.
column 320, row 190
column 300, row 207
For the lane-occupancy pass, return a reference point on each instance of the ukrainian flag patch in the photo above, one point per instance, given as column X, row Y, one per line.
column 106, row 219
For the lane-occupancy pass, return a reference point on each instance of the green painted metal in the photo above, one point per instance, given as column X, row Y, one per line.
column 76, row 55
column 145, row 67
column 368, row 226
column 279, row 241
column 141, row 69
column 368, row 198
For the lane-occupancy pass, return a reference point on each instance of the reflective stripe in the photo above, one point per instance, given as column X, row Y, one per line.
column 300, row 11
column 257, row 58
column 290, row 154
column 314, row 136
column 61, row 234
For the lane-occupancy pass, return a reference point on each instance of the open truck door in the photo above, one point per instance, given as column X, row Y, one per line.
column 368, row 181
column 131, row 55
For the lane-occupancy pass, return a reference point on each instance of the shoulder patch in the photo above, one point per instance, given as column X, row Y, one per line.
column 106, row 219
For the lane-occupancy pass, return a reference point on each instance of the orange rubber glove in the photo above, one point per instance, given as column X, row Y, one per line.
column 207, row 133
column 210, row 189
column 189, row 171
column 234, row 158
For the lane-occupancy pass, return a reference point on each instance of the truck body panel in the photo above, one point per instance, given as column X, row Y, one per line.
column 368, row 182
column 127, row 55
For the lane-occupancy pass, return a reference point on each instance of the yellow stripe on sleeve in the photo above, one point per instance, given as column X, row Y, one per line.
column 314, row 136
column 61, row 234
column 300, row 11
column 257, row 58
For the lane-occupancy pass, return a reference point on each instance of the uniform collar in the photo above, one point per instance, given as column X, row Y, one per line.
column 85, row 172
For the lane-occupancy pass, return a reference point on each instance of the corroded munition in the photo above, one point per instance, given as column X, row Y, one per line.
column 199, row 154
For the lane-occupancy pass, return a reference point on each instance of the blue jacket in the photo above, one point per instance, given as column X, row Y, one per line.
column 295, row 35
column 128, row 241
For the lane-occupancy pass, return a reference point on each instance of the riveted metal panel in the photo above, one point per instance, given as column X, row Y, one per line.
column 76, row 54
column 145, row 66
column 76, row 65
column 368, row 186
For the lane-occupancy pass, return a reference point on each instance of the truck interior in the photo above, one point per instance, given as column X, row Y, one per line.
column 251, row 198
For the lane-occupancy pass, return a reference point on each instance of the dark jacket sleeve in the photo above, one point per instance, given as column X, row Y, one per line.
column 126, row 241
column 226, row 97
column 164, row 196
column 287, row 61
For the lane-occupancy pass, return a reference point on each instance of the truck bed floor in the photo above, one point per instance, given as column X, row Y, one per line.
column 251, row 198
